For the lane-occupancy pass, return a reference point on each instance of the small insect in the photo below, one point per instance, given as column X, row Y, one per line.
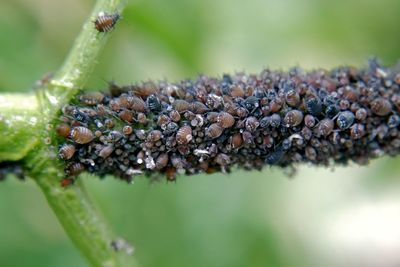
column 345, row 120
column 154, row 136
column 237, row 140
column 67, row 151
column 293, row 118
column 81, row 135
column 393, row 121
column 180, row 105
column 214, row 131
column 74, row 169
column 175, row 116
column 106, row 151
column 275, row 120
column 361, row 114
column 105, row 22
column 309, row 121
column 153, row 103
column 63, row 130
column 91, row 98
column 381, row 107
column 314, row 106
column 67, row 182
column 127, row 130
column 198, row 107
column 292, row 98
column 126, row 115
column 251, row 124
column 184, row 135
column 324, row 127
column 225, row 120
column 357, row 131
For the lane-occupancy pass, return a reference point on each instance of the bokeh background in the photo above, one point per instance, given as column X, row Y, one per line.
column 342, row 217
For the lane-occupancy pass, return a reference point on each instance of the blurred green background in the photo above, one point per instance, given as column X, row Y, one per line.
column 346, row 217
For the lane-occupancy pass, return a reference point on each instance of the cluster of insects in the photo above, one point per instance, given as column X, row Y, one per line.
column 209, row 125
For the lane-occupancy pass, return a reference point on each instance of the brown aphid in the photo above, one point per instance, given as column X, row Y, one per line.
column 350, row 94
column 126, row 115
column 357, row 131
column 127, row 130
column 225, row 120
column 74, row 169
column 67, row 182
column 251, row 124
column 247, row 137
column 162, row 161
column 237, row 91
column 324, row 127
column 146, row 89
column 67, row 151
column 81, row 135
column 141, row 118
column 63, row 130
column 222, row 159
column 109, row 123
column 105, row 22
column 198, row 107
column 170, row 173
column 381, row 107
column 137, row 104
column 292, row 98
column 175, row 116
column 106, row 151
column 309, row 121
column 184, row 135
column 214, row 131
column 236, row 141
column 91, row 98
column 163, row 120
column 241, row 112
column 361, row 114
column 154, row 136
column 293, row 118
column 275, row 105
column 212, row 116
column 181, row 105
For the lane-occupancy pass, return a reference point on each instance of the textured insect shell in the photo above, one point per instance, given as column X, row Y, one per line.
column 63, row 130
column 198, row 107
column 74, row 169
column 225, row 120
column 154, row 136
column 162, row 161
column 184, row 135
column 214, row 131
column 345, row 120
column 293, row 118
column 67, row 151
column 361, row 114
column 180, row 105
column 127, row 130
column 381, row 107
column 251, row 124
column 91, row 98
column 324, row 127
column 126, row 115
column 357, row 131
column 292, row 98
column 105, row 22
column 236, row 141
column 106, row 151
column 81, row 135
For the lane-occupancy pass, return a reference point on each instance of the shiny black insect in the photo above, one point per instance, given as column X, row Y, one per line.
column 105, row 22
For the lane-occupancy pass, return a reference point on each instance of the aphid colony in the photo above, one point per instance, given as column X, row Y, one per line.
column 245, row 121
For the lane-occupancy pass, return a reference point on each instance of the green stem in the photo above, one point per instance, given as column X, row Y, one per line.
column 27, row 135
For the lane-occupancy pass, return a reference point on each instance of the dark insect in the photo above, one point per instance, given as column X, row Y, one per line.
column 153, row 103
column 276, row 156
column 345, row 120
column 381, row 107
column 105, row 22
column 393, row 121
column 324, row 127
column 293, row 118
column 314, row 106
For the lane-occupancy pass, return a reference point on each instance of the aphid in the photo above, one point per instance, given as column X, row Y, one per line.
column 361, row 114
column 345, row 120
column 214, row 131
column 141, row 134
column 163, row 120
column 265, row 122
column 324, row 127
column 357, row 131
column 275, row 157
column 292, row 98
column 331, row 111
column 241, row 112
column 154, row 136
column 63, row 130
column 127, row 130
column 381, row 107
column 153, row 103
column 251, row 103
column 251, row 124
column 237, row 91
column 309, row 121
column 184, row 135
column 74, row 169
column 247, row 137
column 126, row 115
column 175, row 116
column 81, row 135
column 311, row 153
column 293, row 118
column 170, row 173
column 314, row 106
column 180, row 105
column 105, row 22
column 137, row 104
column 91, row 98
column 225, row 120
column 198, row 107
column 171, row 127
column 106, row 151
column 393, row 121
column 275, row 105
column 222, row 159
column 141, row 118
column 275, row 120
column 67, row 151
column 67, row 182
column 236, row 141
